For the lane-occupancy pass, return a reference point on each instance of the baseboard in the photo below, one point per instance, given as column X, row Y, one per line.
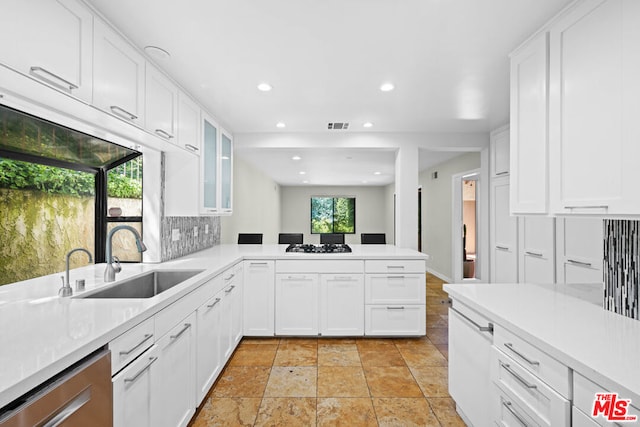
column 439, row 275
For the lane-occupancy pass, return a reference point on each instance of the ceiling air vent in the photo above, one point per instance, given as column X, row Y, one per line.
column 338, row 126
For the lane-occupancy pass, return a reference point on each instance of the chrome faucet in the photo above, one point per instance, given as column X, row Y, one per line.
column 111, row 270
column 65, row 290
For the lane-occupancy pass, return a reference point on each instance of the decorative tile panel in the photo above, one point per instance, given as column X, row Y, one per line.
column 621, row 267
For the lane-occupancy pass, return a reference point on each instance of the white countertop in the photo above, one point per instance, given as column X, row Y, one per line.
column 42, row 334
column 597, row 343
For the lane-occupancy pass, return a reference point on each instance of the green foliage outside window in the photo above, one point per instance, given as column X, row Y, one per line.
column 333, row 215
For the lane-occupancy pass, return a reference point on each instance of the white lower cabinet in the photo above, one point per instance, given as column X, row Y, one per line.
column 296, row 304
column 209, row 352
column 470, row 339
column 503, row 235
column 341, row 304
column 393, row 320
column 132, row 391
column 584, row 392
column 173, row 397
column 259, row 298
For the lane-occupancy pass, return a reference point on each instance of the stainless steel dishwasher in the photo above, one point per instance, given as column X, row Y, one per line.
column 79, row 396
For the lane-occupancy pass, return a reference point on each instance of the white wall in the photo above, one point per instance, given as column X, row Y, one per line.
column 437, row 210
column 389, row 192
column 371, row 210
column 256, row 205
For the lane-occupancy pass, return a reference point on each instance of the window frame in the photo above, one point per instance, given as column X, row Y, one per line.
column 333, row 214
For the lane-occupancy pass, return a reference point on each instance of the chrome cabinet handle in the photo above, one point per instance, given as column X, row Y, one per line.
column 516, row 376
column 137, row 375
column 299, row 278
column 573, row 261
column 163, row 133
column 69, row 409
column 536, row 254
column 258, row 263
column 395, row 308
column 44, row 74
column 121, row 112
column 214, row 303
column 488, row 328
column 502, row 173
column 226, row 291
column 191, row 147
column 230, row 277
column 588, row 207
column 522, row 356
column 395, row 277
column 343, row 279
column 395, row 266
column 517, row 416
column 182, row 331
column 502, row 248
column 145, row 339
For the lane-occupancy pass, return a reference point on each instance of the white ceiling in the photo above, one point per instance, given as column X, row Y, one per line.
column 327, row 59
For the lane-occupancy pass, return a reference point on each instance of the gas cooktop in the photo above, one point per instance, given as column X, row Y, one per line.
column 327, row 248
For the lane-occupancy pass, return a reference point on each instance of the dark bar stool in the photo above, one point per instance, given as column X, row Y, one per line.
column 373, row 239
column 290, row 238
column 249, row 238
column 336, row 239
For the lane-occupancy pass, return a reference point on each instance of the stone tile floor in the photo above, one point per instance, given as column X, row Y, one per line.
column 338, row 382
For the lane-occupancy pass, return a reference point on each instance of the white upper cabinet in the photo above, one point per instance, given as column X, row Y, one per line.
column 51, row 42
column 529, row 96
column 500, row 152
column 209, row 167
column 161, row 104
column 188, row 123
column 226, row 172
column 119, row 75
column 594, row 109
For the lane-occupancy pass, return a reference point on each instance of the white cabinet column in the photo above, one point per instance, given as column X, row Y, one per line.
column 406, row 222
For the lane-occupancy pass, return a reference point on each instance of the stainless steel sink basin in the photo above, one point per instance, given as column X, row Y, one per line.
column 145, row 286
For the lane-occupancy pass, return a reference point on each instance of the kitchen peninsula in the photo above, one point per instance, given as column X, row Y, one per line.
column 249, row 290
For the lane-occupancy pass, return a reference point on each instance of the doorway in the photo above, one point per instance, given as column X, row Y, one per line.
column 466, row 226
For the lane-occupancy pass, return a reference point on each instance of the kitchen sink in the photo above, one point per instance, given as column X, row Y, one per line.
column 145, row 286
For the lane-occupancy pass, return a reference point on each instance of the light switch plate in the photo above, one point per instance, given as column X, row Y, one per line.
column 195, row 231
column 175, row 235
column 206, row 229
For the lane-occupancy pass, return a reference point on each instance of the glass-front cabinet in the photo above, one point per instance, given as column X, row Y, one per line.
column 216, row 169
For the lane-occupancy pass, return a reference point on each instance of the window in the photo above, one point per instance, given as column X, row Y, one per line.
column 54, row 183
column 333, row 215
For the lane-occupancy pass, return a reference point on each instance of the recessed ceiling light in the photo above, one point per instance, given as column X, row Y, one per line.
column 280, row 125
column 264, row 87
column 302, row 173
column 296, row 158
column 157, row 52
column 367, row 125
column 377, row 173
column 387, row 87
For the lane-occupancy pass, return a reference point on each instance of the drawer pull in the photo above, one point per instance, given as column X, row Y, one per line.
column 47, row 75
column 588, row 207
column 517, row 416
column 191, row 147
column 536, row 254
column 231, row 276
column 145, row 339
column 182, row 331
column 395, row 277
column 214, row 303
column 69, row 409
column 502, row 248
column 163, row 134
column 297, row 278
column 226, row 291
column 513, row 373
column 121, row 112
column 488, row 328
column 573, row 261
column 522, row 356
column 137, row 375
column 395, row 266
column 343, row 279
column 502, row 173
column 395, row 308
column 259, row 263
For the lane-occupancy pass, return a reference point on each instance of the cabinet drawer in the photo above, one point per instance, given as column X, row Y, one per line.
column 533, row 395
column 131, row 344
column 388, row 320
column 170, row 316
column 548, row 369
column 584, row 393
column 579, row 419
column 394, row 266
column 395, row 289
column 319, row 266
column 508, row 411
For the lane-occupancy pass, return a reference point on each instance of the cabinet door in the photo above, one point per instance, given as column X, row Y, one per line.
column 395, row 320
column 188, row 123
column 341, row 304
column 500, row 152
column 209, row 167
column 161, row 104
column 579, row 243
column 594, row 108
column 259, row 298
column 503, row 235
column 119, row 74
column 296, row 304
column 181, row 185
column 226, row 173
column 236, row 305
column 173, row 397
column 54, row 43
column 529, row 93
column 536, row 251
column 208, row 354
column 132, row 391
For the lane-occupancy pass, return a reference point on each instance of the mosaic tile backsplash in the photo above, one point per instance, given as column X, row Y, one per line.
column 188, row 242
column 621, row 267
